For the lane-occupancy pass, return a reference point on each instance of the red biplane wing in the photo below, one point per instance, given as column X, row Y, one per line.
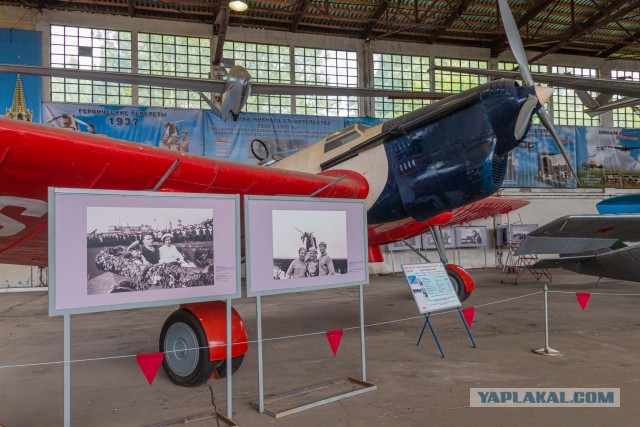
column 405, row 229
column 491, row 206
column 35, row 157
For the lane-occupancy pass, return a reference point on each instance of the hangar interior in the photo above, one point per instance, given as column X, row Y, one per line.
column 382, row 44
column 280, row 39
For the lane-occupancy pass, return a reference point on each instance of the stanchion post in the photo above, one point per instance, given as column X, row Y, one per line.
column 393, row 265
column 260, row 373
column 229, row 363
column 67, row 370
column 546, row 350
column 362, row 343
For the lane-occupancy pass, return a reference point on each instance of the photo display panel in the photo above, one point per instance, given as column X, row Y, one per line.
column 297, row 244
column 112, row 250
column 471, row 236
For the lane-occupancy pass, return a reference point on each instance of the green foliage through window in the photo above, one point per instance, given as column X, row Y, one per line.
column 170, row 55
column 400, row 72
column 90, row 49
column 567, row 107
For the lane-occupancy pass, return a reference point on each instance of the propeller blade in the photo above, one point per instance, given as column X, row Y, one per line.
column 524, row 116
column 543, row 94
column 546, row 121
column 297, row 229
column 515, row 42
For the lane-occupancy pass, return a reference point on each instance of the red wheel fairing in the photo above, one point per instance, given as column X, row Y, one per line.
column 212, row 317
column 462, row 279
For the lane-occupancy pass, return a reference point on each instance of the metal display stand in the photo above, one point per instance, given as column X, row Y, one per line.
column 198, row 417
column 277, row 404
column 62, row 201
column 357, row 386
column 428, row 323
column 518, row 264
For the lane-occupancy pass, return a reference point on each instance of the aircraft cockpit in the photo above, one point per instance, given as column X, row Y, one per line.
column 344, row 136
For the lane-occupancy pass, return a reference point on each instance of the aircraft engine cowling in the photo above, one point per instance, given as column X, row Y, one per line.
column 460, row 158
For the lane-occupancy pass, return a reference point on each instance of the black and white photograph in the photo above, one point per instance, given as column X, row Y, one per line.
column 416, row 242
column 142, row 249
column 517, row 233
column 471, row 237
column 309, row 244
column 447, row 239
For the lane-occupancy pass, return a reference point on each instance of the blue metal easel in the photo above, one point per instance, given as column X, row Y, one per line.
column 428, row 323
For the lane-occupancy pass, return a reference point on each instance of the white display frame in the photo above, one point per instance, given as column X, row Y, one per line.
column 482, row 230
column 258, row 220
column 65, row 279
column 428, row 241
column 415, row 241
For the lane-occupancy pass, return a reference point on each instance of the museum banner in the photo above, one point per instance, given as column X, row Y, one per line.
column 263, row 135
column 538, row 163
column 172, row 128
column 21, row 95
column 608, row 157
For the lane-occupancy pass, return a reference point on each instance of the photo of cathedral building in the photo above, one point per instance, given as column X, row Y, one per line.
column 19, row 110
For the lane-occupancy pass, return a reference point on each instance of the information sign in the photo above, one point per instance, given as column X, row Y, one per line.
column 431, row 287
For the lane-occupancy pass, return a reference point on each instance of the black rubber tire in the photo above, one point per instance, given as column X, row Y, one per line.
column 458, row 285
column 235, row 365
column 188, row 368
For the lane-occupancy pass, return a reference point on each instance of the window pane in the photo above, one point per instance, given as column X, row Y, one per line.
column 626, row 117
column 324, row 67
column 448, row 81
column 273, row 67
column 90, row 49
column 400, row 72
column 172, row 55
column 567, row 107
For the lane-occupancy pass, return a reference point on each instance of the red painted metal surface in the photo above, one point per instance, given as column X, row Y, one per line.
column 213, row 318
column 382, row 234
column 38, row 156
column 375, row 254
column 469, row 284
column 485, row 208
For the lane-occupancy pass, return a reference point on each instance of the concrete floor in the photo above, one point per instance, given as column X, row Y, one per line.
column 415, row 386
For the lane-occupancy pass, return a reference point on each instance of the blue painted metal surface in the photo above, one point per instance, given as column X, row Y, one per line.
column 629, row 204
column 455, row 159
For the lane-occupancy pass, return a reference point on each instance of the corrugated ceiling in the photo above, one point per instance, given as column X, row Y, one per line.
column 602, row 28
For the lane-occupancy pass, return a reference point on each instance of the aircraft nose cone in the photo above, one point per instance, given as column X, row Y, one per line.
column 543, row 94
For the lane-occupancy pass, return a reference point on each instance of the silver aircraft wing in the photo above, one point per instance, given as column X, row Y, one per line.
column 621, row 264
column 581, row 233
column 619, row 87
column 216, row 86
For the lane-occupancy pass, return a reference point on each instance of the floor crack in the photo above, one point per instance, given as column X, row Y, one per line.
column 213, row 403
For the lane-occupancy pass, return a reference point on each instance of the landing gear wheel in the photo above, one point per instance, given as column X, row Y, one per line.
column 235, row 365
column 186, row 351
column 458, row 285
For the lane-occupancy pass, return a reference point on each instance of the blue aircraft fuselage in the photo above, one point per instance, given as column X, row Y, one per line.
column 450, row 153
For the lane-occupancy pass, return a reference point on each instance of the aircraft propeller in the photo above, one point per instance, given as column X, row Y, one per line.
column 543, row 94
